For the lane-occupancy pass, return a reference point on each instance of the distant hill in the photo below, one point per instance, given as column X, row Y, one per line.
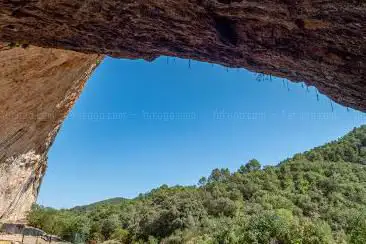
column 315, row 197
column 111, row 201
column 349, row 148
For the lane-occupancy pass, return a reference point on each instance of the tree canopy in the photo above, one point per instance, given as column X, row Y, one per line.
column 315, row 197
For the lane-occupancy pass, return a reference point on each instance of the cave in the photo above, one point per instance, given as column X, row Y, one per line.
column 49, row 49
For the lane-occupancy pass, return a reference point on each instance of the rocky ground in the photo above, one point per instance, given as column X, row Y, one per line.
column 13, row 239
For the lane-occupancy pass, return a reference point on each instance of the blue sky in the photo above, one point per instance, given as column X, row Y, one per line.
column 138, row 125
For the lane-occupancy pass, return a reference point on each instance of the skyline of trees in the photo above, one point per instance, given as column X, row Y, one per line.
column 318, row 196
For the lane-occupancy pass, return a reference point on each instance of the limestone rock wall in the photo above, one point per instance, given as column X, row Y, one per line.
column 320, row 42
column 20, row 179
column 38, row 86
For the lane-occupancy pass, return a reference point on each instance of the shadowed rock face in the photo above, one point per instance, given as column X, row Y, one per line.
column 38, row 87
column 319, row 42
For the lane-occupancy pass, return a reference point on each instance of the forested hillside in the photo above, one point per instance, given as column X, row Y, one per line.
column 89, row 207
column 315, row 197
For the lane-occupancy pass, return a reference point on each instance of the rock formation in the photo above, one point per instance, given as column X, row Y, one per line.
column 38, row 87
column 319, row 42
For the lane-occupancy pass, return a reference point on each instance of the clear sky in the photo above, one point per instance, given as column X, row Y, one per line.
column 138, row 125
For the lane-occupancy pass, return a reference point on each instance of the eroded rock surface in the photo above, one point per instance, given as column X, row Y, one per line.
column 319, row 42
column 38, row 86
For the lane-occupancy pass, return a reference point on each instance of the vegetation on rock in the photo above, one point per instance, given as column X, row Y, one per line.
column 315, row 197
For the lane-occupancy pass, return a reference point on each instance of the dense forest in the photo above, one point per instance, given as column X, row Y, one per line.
column 314, row 197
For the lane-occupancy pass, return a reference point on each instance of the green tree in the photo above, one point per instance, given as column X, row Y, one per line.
column 109, row 226
column 316, row 197
column 252, row 165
